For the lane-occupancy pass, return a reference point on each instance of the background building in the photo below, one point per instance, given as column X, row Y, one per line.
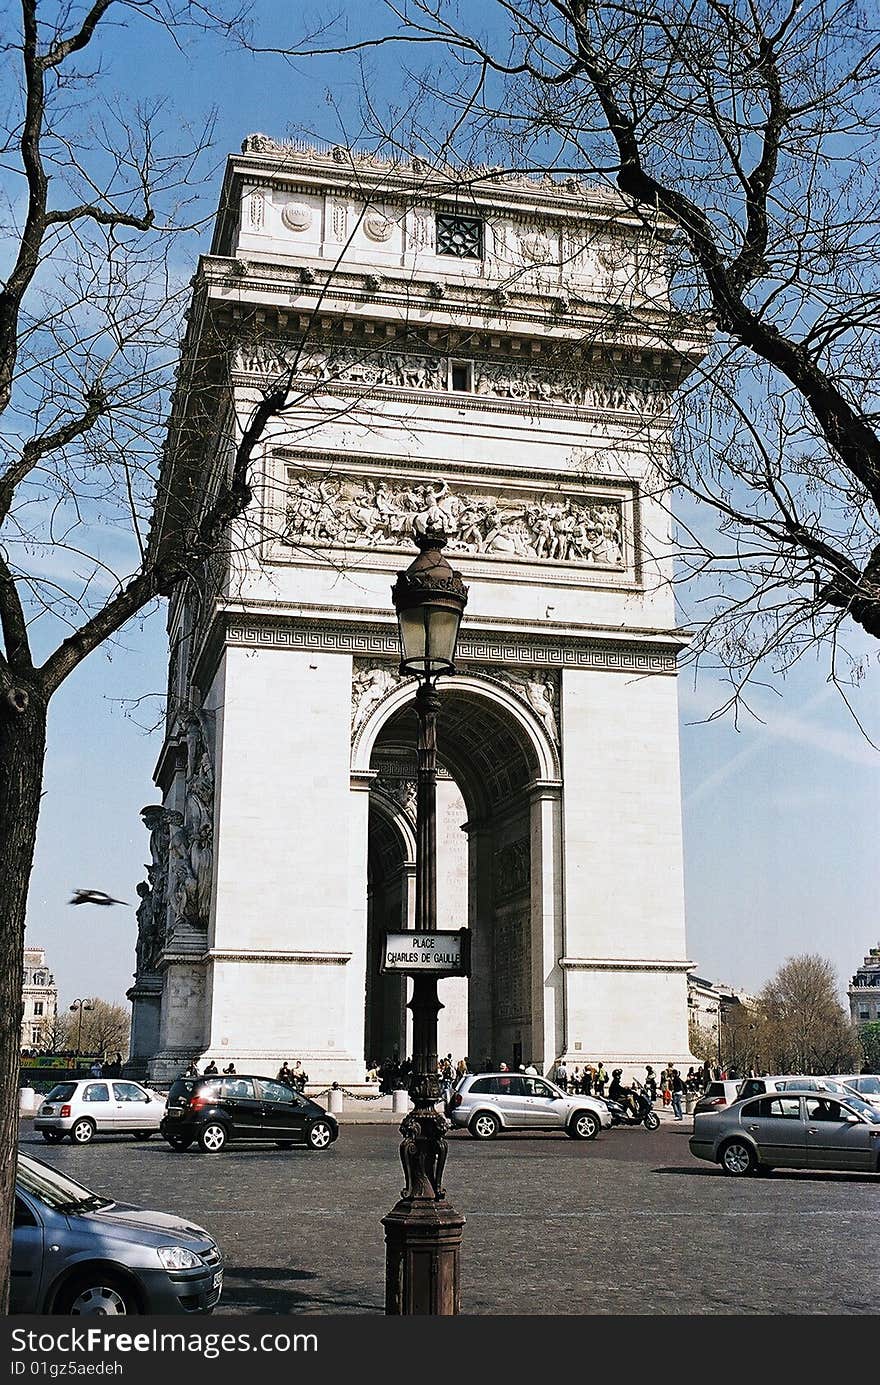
column 864, row 990
column 40, row 995
column 453, row 345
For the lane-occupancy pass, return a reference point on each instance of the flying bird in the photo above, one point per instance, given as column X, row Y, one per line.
column 94, row 897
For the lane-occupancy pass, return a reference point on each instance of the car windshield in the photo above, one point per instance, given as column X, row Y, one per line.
column 864, row 1108
column 62, row 1091
column 55, row 1189
column 868, row 1086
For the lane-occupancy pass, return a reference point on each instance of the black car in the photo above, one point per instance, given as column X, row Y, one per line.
column 215, row 1110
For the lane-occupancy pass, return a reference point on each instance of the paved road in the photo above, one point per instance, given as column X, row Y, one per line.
column 629, row 1223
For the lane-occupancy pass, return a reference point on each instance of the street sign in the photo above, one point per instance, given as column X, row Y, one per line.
column 440, row 953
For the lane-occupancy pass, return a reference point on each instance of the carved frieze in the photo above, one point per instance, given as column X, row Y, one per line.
column 513, row 380
column 525, row 525
column 511, row 868
column 539, row 688
column 371, row 683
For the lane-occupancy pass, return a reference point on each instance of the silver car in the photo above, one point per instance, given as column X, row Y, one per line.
column 105, row 1105
column 867, row 1084
column 790, row 1130
column 75, row 1252
column 489, row 1102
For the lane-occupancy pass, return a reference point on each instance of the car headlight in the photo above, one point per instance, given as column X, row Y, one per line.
column 178, row 1258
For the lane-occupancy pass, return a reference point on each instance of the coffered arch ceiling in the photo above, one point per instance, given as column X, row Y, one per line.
column 478, row 743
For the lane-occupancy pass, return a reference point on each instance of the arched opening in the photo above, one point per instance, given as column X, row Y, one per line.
column 498, row 849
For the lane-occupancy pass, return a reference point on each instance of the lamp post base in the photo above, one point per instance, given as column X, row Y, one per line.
column 422, row 1245
column 423, row 1230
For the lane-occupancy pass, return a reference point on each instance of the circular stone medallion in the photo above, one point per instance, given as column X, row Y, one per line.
column 377, row 226
column 297, row 216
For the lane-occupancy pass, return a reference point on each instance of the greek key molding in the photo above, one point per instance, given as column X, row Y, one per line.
column 361, row 642
column 623, row 964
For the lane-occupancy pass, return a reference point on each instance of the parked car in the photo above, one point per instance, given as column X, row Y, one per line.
column 718, row 1095
column 489, row 1102
column 106, row 1106
column 215, row 1110
column 786, row 1082
column 75, row 1252
column 867, row 1084
column 790, row 1130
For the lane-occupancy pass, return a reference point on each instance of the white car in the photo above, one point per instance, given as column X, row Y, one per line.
column 867, row 1084
column 99, row 1105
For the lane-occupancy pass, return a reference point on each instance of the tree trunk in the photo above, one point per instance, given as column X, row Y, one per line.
column 22, row 752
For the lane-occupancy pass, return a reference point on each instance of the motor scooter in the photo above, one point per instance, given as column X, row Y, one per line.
column 624, row 1115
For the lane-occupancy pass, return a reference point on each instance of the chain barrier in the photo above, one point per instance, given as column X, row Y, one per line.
column 353, row 1096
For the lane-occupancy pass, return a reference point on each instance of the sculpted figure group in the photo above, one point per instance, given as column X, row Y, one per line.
column 368, row 513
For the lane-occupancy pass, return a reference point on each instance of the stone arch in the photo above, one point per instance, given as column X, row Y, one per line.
column 506, row 766
column 510, row 705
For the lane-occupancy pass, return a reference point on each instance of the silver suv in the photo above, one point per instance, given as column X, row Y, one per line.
column 489, row 1102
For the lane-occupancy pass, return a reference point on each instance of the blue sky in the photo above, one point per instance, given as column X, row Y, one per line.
column 780, row 816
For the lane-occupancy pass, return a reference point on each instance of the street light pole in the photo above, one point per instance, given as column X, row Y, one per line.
column 423, row 1229
column 80, row 1005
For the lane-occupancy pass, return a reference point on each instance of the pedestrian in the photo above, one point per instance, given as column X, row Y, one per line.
column 530, row 1071
column 576, row 1079
column 212, row 1069
column 600, row 1079
column 97, row 1068
column 461, row 1067
column 587, row 1079
column 562, row 1075
column 230, row 1071
column 193, row 1069
column 502, row 1067
column 677, row 1091
column 651, row 1082
column 284, row 1074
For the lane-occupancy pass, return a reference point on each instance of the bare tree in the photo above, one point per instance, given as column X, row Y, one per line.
column 748, row 129
column 95, row 199
column 105, row 1028
column 801, row 1024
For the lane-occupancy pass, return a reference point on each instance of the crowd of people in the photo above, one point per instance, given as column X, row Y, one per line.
column 295, row 1076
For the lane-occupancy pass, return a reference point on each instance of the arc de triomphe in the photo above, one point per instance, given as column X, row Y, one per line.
column 499, row 348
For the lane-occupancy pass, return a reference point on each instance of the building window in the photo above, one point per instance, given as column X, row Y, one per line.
column 864, row 1012
column 461, row 236
column 35, row 1034
column 38, row 1007
column 461, row 376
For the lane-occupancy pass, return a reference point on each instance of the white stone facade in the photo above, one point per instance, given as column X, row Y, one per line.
column 39, row 1000
column 864, row 990
column 523, row 388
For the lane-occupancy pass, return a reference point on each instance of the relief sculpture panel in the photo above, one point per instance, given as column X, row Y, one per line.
column 527, row 525
column 512, row 380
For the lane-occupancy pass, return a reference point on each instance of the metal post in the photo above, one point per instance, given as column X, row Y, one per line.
column 423, row 1230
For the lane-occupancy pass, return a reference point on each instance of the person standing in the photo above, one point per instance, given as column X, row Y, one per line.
column 651, row 1082
column 677, row 1089
column 600, row 1079
column 562, row 1076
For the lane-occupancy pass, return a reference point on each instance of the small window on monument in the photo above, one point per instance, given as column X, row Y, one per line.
column 461, row 236
column 461, row 376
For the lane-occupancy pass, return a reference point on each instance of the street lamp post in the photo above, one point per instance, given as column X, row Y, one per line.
column 80, row 1005
column 423, row 1230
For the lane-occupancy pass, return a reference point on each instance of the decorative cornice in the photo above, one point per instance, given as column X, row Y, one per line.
column 334, row 959
column 366, row 640
column 622, row 964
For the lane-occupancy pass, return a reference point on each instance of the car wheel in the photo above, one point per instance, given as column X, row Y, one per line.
column 99, row 1292
column 319, row 1135
column 738, row 1158
column 652, row 1121
column 213, row 1138
column 82, row 1131
column 53, row 1137
column 179, row 1142
column 584, row 1125
column 484, row 1126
